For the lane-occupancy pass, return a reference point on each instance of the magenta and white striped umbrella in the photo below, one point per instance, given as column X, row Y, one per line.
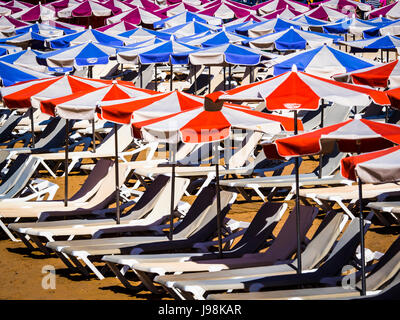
column 85, row 9
column 36, row 13
column 136, row 16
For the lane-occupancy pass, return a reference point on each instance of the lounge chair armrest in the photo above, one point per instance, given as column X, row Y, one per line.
column 203, row 246
column 235, row 224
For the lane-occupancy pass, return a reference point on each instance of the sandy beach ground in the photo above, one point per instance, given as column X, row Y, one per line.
column 22, row 271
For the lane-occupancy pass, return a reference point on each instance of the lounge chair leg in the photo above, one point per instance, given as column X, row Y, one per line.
column 7, row 231
column 120, row 276
column 44, row 164
column 40, row 245
column 25, row 240
column 82, row 270
column 92, row 267
column 65, row 260
column 147, row 282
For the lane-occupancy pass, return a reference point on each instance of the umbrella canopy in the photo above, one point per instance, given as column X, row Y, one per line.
column 141, row 34
column 227, row 54
column 265, row 27
column 216, row 39
column 163, row 52
column 380, row 76
column 4, row 11
column 85, row 9
column 185, row 17
column 391, row 11
column 127, row 110
column 291, row 39
column 146, row 4
column 175, row 9
column 89, row 35
column 324, row 61
column 323, row 12
column 27, row 39
column 9, row 24
column 44, row 29
column 65, row 25
column 298, row 90
column 117, row 28
column 374, row 44
column 11, row 74
column 117, row 6
column 374, row 167
column 79, row 55
column 81, row 105
column 62, row 4
column 273, row 5
column 344, row 5
column 30, row 93
column 136, row 16
column 383, row 29
column 394, row 97
column 201, row 125
column 9, row 49
column 190, row 28
column 35, row 13
column 26, row 59
column 284, row 13
column 371, row 136
column 225, row 10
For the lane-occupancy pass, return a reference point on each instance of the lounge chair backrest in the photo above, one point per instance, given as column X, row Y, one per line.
column 260, row 228
column 124, row 140
column 331, row 162
column 155, row 203
column 93, row 181
column 53, row 135
column 322, row 243
column 7, row 128
column 387, row 267
column 285, row 243
column 240, row 157
column 344, row 249
column 13, row 173
column 332, row 114
column 24, row 178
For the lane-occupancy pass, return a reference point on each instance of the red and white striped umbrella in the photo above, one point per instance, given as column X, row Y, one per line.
column 127, row 110
column 381, row 76
column 298, row 90
column 82, row 105
column 381, row 166
column 394, row 97
column 208, row 124
column 354, row 135
column 30, row 93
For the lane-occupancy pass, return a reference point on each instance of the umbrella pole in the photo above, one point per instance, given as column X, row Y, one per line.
column 93, row 136
column 66, row 163
column 224, row 78
column 230, row 76
column 172, row 75
column 171, row 216
column 195, row 79
column 118, row 214
column 297, row 202
column 382, row 55
column 387, row 114
column 321, row 126
column 209, row 79
column 387, row 55
column 219, row 224
column 140, row 76
column 155, row 77
column 251, row 74
column 32, row 128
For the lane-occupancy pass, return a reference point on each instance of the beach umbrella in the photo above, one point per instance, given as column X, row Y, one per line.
column 383, row 29
column 391, row 11
column 394, row 97
column 82, row 105
column 323, row 61
column 380, row 76
column 284, row 13
column 117, row 7
column 269, row 26
column 35, row 13
column 62, row 4
column 273, row 5
column 78, row 56
column 291, row 39
column 219, row 38
column 373, row 167
column 344, row 5
column 83, row 37
column 387, row 43
column 64, row 25
column 25, row 40
column 141, row 34
column 175, row 9
column 308, row 22
column 117, row 28
column 323, row 12
column 185, row 17
column 4, row 11
column 26, row 59
column 11, row 74
column 45, row 30
column 9, row 49
column 226, row 10
column 355, row 135
column 136, row 16
column 85, row 9
column 209, row 123
column 9, row 24
column 146, row 4
column 189, row 28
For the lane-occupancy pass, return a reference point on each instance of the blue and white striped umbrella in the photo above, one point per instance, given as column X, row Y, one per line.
column 10, row 49
column 383, row 29
column 323, row 61
column 210, row 39
column 190, row 28
column 27, row 39
column 291, row 39
column 141, row 34
column 11, row 74
column 25, row 58
column 45, row 30
column 259, row 29
column 80, row 55
column 184, row 17
column 89, row 35
column 165, row 52
column 373, row 44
